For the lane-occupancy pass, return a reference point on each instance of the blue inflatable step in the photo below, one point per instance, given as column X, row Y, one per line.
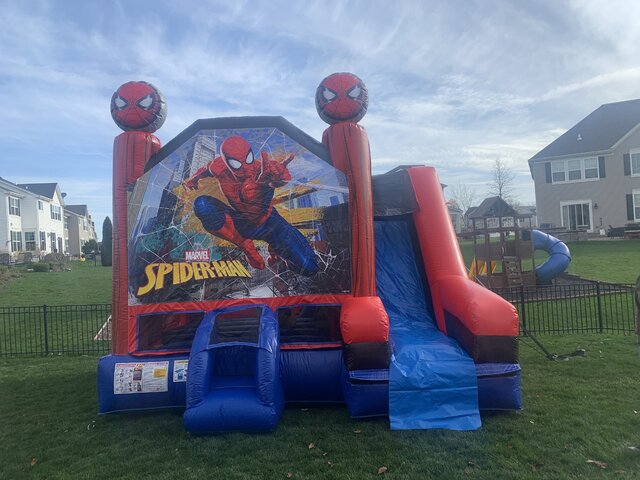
column 432, row 380
column 234, row 378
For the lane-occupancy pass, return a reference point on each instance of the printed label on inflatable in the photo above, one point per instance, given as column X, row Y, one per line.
column 180, row 370
column 238, row 213
column 150, row 377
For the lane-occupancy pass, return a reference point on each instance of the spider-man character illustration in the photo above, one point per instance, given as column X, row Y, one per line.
column 249, row 184
column 138, row 106
column 342, row 97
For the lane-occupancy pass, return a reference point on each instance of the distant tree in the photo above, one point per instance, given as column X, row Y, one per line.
column 502, row 178
column 106, row 247
column 464, row 197
column 90, row 247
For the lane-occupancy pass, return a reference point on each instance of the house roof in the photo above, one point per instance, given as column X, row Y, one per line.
column 80, row 210
column 20, row 189
column 43, row 189
column 599, row 131
column 493, row 207
column 526, row 210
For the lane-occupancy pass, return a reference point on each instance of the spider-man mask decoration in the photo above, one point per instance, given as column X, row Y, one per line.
column 138, row 106
column 341, row 97
column 238, row 156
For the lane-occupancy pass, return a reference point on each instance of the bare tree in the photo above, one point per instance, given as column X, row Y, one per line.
column 502, row 178
column 464, row 196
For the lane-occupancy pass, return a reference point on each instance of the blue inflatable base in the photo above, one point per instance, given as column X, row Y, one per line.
column 232, row 405
column 312, row 375
column 127, row 383
column 499, row 386
column 366, row 392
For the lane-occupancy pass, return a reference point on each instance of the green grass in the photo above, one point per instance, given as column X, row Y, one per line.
column 610, row 261
column 84, row 284
column 605, row 260
column 582, row 409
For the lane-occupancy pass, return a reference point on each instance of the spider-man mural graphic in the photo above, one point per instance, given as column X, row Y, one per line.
column 248, row 185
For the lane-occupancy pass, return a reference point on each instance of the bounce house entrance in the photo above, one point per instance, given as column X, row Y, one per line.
column 234, row 374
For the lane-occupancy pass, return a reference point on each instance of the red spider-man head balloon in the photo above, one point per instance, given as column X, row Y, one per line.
column 138, row 106
column 238, row 156
column 341, row 97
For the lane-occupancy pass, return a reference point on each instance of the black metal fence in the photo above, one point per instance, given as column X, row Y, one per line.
column 574, row 308
column 556, row 309
column 55, row 329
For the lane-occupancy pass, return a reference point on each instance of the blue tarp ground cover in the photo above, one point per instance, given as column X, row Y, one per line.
column 432, row 381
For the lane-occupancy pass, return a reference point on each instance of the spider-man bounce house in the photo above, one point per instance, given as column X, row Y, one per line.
column 255, row 266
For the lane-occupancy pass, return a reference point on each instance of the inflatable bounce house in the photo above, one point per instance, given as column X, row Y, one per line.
column 255, row 266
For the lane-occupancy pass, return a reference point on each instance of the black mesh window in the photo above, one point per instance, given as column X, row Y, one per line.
column 167, row 331
column 309, row 324
column 238, row 326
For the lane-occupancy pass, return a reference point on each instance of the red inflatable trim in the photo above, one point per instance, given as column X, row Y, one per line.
column 481, row 311
column 364, row 320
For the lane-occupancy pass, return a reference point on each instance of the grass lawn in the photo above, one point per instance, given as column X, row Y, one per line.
column 613, row 261
column 84, row 284
column 574, row 411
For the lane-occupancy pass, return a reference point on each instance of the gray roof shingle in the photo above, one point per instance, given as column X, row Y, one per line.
column 599, row 131
column 77, row 209
column 44, row 189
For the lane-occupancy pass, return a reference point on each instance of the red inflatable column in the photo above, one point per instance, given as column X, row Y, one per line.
column 341, row 101
column 348, row 146
column 139, row 108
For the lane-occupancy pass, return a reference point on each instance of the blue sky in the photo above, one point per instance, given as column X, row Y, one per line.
column 454, row 84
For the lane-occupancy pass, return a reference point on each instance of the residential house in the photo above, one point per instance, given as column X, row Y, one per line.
column 31, row 218
column 79, row 228
column 589, row 177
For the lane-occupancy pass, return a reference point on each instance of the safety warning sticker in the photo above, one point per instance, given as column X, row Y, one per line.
column 148, row 377
column 180, row 371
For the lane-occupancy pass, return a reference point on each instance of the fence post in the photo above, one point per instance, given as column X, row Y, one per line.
column 600, row 325
column 523, row 316
column 46, row 330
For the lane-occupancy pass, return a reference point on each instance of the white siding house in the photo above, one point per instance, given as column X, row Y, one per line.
column 31, row 218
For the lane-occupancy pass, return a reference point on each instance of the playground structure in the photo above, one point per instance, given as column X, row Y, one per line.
column 504, row 252
column 250, row 271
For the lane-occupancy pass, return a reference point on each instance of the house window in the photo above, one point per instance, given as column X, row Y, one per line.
column 14, row 206
column 575, row 170
column 30, row 241
column 635, row 162
column 557, row 172
column 591, row 169
column 40, row 205
column 576, row 215
column 43, row 241
column 636, row 204
column 84, row 224
column 16, row 241
column 56, row 212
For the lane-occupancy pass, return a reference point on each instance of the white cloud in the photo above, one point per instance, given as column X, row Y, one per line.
column 454, row 85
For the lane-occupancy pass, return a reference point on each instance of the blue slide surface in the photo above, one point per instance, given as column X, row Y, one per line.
column 432, row 380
